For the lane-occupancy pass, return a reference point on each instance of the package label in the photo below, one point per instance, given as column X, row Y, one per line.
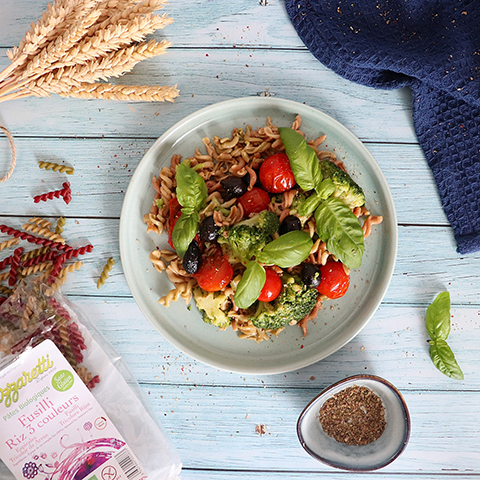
column 51, row 426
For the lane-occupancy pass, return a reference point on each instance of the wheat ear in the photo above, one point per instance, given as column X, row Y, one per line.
column 51, row 24
column 63, row 43
column 112, row 38
column 132, row 93
column 113, row 64
column 124, row 12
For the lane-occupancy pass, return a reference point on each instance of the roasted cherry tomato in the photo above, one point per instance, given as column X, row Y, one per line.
column 254, row 201
column 335, row 281
column 215, row 271
column 276, row 174
column 273, row 286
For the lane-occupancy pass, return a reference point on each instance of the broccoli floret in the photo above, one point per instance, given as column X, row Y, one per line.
column 345, row 188
column 294, row 302
column 209, row 304
column 246, row 238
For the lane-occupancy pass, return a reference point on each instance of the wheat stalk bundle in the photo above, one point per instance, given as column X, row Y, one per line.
column 76, row 43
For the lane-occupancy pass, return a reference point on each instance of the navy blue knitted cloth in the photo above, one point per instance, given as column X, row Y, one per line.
column 432, row 46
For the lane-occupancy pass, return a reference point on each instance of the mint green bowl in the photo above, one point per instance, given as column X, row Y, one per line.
column 223, row 349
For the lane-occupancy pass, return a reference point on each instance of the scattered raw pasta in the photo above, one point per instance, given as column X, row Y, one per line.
column 106, row 270
column 60, row 224
column 8, row 243
column 56, row 167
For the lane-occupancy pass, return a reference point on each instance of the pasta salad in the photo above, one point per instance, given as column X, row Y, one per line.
column 263, row 225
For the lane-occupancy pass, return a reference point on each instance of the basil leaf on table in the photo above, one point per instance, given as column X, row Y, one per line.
column 184, row 232
column 438, row 317
column 308, row 206
column 251, row 284
column 341, row 230
column 303, row 159
column 444, row 359
column 287, row 250
column 191, row 189
column 438, row 327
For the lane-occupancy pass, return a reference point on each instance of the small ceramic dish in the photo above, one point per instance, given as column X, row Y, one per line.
column 369, row 457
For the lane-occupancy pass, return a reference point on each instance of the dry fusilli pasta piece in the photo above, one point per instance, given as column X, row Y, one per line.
column 106, row 269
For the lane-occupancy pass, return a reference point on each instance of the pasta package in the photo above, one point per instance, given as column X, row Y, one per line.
column 69, row 407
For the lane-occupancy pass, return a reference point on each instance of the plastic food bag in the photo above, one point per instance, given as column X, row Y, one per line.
column 69, row 407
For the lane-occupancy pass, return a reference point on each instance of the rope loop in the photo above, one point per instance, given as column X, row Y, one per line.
column 14, row 154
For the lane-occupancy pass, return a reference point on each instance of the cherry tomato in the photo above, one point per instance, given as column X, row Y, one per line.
column 276, row 174
column 335, row 281
column 273, row 286
column 215, row 271
column 254, row 201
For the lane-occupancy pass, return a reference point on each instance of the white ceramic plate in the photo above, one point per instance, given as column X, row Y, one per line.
column 340, row 320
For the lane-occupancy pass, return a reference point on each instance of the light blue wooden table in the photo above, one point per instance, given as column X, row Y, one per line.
column 223, row 50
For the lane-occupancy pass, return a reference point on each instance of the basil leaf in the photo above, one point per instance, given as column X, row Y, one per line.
column 438, row 317
column 251, row 284
column 184, row 232
column 191, row 189
column 341, row 230
column 308, row 206
column 303, row 159
column 326, row 188
column 444, row 359
column 287, row 250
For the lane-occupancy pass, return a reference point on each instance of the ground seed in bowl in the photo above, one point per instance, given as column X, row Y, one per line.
column 355, row 416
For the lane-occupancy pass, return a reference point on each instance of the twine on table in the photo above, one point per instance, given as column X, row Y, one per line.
column 14, row 154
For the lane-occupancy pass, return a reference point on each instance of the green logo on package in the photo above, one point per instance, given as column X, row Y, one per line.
column 62, row 381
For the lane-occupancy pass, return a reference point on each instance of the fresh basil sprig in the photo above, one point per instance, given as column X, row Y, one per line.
column 438, row 317
column 191, row 195
column 191, row 189
column 184, row 232
column 336, row 224
column 438, row 327
column 251, row 284
column 340, row 228
column 288, row 250
column 308, row 206
column 303, row 159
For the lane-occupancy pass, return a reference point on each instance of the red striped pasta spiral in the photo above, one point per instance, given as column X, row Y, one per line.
column 14, row 266
column 76, row 336
column 78, row 251
column 32, row 239
column 60, row 310
column 5, row 262
column 46, row 257
column 93, row 382
column 63, row 192
column 57, row 266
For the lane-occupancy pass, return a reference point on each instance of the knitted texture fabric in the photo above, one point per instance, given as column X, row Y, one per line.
column 431, row 46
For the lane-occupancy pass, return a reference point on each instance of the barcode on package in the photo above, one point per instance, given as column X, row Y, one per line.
column 128, row 465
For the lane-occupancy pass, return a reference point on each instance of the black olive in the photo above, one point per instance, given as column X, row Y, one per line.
column 191, row 259
column 209, row 230
column 311, row 275
column 290, row 223
column 234, row 186
column 246, row 179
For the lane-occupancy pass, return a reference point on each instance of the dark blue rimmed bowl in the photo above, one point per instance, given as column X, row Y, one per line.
column 369, row 457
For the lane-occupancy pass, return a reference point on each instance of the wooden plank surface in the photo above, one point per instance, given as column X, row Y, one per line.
column 223, row 50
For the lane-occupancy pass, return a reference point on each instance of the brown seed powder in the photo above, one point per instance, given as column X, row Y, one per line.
column 355, row 416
